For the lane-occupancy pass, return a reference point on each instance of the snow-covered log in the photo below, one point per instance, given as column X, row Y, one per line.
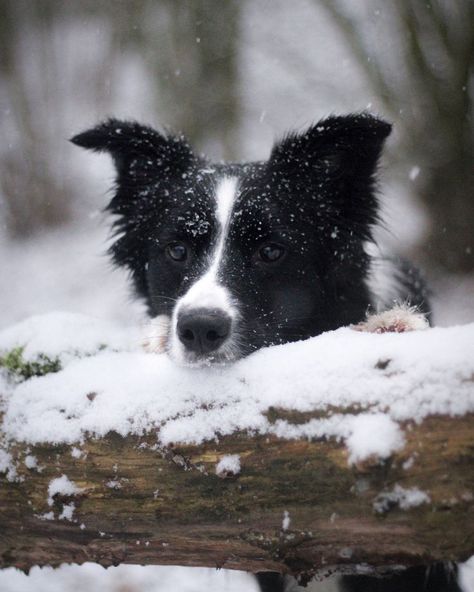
column 344, row 450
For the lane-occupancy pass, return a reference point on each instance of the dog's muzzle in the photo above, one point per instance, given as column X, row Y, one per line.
column 203, row 331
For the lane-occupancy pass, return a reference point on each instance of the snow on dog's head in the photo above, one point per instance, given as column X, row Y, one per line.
column 231, row 258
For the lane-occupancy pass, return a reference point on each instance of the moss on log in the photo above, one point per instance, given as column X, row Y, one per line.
column 144, row 504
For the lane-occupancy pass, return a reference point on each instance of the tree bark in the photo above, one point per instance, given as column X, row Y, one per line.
column 144, row 504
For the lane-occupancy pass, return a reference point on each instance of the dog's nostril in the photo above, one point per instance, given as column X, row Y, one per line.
column 212, row 335
column 187, row 334
column 203, row 330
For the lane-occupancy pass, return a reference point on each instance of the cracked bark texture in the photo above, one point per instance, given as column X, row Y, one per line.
column 144, row 504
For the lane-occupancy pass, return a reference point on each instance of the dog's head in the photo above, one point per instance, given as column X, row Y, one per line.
column 239, row 256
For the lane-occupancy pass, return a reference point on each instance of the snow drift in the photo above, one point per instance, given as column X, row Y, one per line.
column 106, row 383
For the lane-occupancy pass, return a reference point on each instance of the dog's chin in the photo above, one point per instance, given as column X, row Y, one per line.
column 188, row 359
column 194, row 361
column 207, row 362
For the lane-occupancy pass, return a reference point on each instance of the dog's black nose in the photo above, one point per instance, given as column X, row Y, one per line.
column 203, row 331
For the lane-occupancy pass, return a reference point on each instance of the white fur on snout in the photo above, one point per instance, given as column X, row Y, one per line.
column 207, row 291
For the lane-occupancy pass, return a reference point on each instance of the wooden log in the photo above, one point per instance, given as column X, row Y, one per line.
column 145, row 504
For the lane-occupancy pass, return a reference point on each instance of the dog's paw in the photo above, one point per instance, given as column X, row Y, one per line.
column 399, row 319
column 155, row 334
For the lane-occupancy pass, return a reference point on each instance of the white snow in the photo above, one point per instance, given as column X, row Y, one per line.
column 285, row 523
column 62, row 485
column 466, row 575
column 63, row 335
column 113, row 484
column 7, row 465
column 408, row 463
column 387, row 378
column 46, row 516
column 373, row 434
column 76, row 452
column 5, row 461
column 133, row 578
column 401, row 497
column 410, row 498
column 67, row 512
column 229, row 464
column 31, row 462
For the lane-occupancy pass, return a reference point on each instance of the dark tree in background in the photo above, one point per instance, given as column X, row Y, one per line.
column 191, row 50
column 202, row 70
column 58, row 58
column 418, row 55
column 30, row 186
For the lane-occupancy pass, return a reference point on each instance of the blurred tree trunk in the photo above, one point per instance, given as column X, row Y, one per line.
column 31, row 191
column 449, row 195
column 424, row 80
column 207, row 84
column 192, row 47
column 184, row 54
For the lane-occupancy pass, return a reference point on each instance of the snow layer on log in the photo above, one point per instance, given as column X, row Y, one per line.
column 363, row 384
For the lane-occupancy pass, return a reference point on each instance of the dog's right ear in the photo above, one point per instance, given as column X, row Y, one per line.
column 148, row 164
column 139, row 151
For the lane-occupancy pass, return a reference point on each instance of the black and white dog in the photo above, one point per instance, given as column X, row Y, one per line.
column 231, row 258
column 234, row 257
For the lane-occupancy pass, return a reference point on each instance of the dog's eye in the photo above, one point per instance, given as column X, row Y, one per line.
column 271, row 253
column 177, row 252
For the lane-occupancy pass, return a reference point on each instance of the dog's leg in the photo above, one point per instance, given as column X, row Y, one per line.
column 398, row 319
column 439, row 577
column 270, row 581
column 274, row 582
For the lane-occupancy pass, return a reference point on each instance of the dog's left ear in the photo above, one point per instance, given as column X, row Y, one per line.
column 337, row 145
column 335, row 159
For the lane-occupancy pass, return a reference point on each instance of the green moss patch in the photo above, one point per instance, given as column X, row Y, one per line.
column 19, row 368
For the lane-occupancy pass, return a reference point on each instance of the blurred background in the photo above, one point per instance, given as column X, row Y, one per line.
column 232, row 75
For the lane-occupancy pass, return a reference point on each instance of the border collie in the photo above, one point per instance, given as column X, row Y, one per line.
column 234, row 257
column 231, row 258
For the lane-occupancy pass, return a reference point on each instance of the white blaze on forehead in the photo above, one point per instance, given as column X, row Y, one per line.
column 207, row 292
column 225, row 198
column 226, row 192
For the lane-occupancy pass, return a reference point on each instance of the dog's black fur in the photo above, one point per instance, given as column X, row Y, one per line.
column 235, row 257
column 294, row 259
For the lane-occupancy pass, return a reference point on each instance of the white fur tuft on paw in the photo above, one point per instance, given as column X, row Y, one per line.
column 398, row 319
column 155, row 334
